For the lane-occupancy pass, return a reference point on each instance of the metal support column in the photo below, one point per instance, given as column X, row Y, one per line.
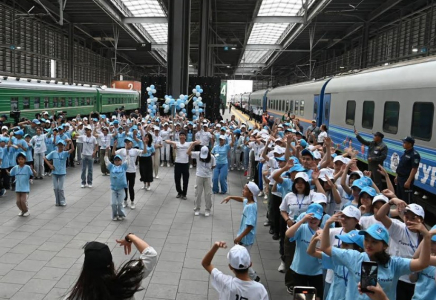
column 204, row 50
column 179, row 19
column 71, row 53
column 364, row 55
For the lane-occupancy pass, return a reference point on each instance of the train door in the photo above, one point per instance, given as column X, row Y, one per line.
column 316, row 108
column 265, row 101
column 326, row 110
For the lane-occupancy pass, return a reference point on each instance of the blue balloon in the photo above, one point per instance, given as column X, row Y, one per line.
column 184, row 111
column 194, row 111
column 195, row 98
column 172, row 102
column 152, row 86
column 200, row 104
column 186, row 97
column 197, row 87
column 150, row 93
column 201, row 91
column 200, row 110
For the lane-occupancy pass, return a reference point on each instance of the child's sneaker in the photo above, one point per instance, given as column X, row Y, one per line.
column 26, row 214
column 114, row 219
column 2, row 192
column 20, row 214
column 120, row 218
column 125, row 204
column 132, row 205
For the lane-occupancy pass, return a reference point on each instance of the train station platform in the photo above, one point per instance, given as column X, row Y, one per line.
column 41, row 255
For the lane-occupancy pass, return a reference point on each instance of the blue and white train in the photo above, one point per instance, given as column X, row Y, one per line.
column 398, row 100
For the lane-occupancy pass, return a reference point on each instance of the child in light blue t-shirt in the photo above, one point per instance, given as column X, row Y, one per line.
column 23, row 174
column 118, row 183
column 247, row 229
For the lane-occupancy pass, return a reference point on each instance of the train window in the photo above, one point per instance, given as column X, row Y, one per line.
column 292, row 106
column 70, row 101
column 14, row 103
column 36, row 103
column 62, row 102
column 368, row 114
column 391, row 116
column 82, row 101
column 26, row 103
column 315, row 109
column 109, row 100
column 76, row 101
column 422, row 120
column 88, row 101
column 302, row 108
column 296, row 107
column 94, row 100
column 46, row 102
column 287, row 106
column 351, row 112
column 55, row 102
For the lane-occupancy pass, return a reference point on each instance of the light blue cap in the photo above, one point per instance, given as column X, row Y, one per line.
column 19, row 132
column 128, row 139
column 281, row 158
column 377, row 232
column 22, row 154
column 353, row 237
column 315, row 209
column 359, row 184
column 61, row 142
column 116, row 122
column 369, row 190
column 36, row 121
column 433, row 237
column 366, row 180
column 118, row 157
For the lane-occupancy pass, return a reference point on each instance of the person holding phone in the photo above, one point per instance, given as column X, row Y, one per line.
column 376, row 242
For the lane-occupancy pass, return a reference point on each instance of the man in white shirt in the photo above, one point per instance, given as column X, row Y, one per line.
column 104, row 141
column 39, row 148
column 240, row 287
column 88, row 154
column 181, row 164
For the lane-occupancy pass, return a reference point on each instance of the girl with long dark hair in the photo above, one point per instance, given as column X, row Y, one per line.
column 146, row 162
column 99, row 279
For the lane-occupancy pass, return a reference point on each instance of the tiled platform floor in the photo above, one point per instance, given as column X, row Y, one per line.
column 41, row 255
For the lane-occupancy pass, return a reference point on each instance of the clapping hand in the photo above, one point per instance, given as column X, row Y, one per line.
column 126, row 244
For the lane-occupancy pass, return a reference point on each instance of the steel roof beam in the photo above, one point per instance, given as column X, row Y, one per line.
column 145, row 20
column 263, row 47
column 279, row 19
column 382, row 9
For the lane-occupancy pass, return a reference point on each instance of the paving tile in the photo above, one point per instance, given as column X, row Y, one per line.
column 50, row 273
column 7, row 290
column 18, row 277
column 161, row 291
column 193, row 287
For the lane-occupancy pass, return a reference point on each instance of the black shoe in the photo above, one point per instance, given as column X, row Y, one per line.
column 257, row 279
column 267, row 223
column 178, row 196
column 275, row 237
column 290, row 290
column 271, row 231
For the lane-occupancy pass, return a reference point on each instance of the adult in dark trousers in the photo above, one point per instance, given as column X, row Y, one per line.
column 181, row 164
column 377, row 153
column 406, row 170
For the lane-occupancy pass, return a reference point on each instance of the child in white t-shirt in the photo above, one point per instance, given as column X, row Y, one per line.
column 240, row 286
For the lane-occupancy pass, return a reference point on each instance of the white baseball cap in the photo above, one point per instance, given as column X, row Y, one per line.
column 324, row 172
column 85, row 118
column 352, row 212
column 204, row 152
column 239, row 258
column 316, row 155
column 5, row 127
column 339, row 158
column 218, row 125
column 254, row 189
column 416, row 209
column 302, row 175
column 319, row 198
column 279, row 150
column 222, row 137
column 380, row 197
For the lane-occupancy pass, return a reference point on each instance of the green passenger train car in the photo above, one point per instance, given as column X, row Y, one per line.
column 32, row 97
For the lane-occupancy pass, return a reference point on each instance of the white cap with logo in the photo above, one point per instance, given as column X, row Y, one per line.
column 239, row 258
column 204, row 152
column 319, row 198
column 416, row 209
column 352, row 212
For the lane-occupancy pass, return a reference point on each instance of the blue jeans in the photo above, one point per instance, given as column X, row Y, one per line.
column 87, row 162
column 117, row 203
column 220, row 173
column 259, row 169
column 58, row 186
column 246, row 157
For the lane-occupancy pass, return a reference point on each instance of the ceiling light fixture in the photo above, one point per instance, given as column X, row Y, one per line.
column 341, row 67
column 415, row 50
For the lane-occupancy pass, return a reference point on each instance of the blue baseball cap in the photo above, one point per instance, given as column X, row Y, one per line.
column 353, row 237
column 296, row 160
column 95, row 119
column 36, row 121
column 22, row 154
column 19, row 132
column 61, row 142
column 369, row 190
column 26, row 135
column 295, row 168
column 303, row 143
column 366, row 180
column 116, row 122
column 378, row 232
column 359, row 184
column 134, row 127
column 307, row 152
column 223, row 128
column 315, row 209
column 281, row 158
column 118, row 157
column 237, row 131
column 128, row 139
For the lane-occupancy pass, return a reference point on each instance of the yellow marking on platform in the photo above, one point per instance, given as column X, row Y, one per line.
column 242, row 117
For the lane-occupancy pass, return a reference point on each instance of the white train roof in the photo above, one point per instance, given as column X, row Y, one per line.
column 43, row 86
column 408, row 75
column 310, row 87
column 117, row 91
column 258, row 95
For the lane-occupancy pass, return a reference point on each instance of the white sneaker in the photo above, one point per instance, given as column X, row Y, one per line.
column 157, row 177
column 161, row 164
column 120, row 218
column 207, row 213
column 132, row 205
column 168, row 165
column 231, row 169
column 143, row 187
column 281, row 268
column 190, row 166
column 124, row 204
column 115, row 219
column 20, row 214
column 266, row 197
column 82, row 186
column 90, row 185
column 147, row 188
column 196, row 213
column 261, row 194
column 26, row 214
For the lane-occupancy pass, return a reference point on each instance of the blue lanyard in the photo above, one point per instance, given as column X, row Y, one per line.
column 300, row 203
column 339, row 241
column 345, row 276
column 311, row 231
column 410, row 242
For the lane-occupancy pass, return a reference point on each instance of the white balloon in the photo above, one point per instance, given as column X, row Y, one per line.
column 182, row 105
column 154, row 106
column 167, row 101
column 149, row 110
column 194, row 91
column 153, row 91
column 148, row 100
column 197, row 94
column 181, row 114
column 155, row 99
column 148, row 89
column 199, row 99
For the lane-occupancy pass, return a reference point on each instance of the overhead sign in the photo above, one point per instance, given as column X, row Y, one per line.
column 223, row 92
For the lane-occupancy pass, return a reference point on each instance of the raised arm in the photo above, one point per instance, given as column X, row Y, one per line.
column 423, row 261
column 325, row 237
column 236, row 198
column 277, row 176
column 293, row 229
column 193, row 144
column 207, row 259
column 311, row 249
